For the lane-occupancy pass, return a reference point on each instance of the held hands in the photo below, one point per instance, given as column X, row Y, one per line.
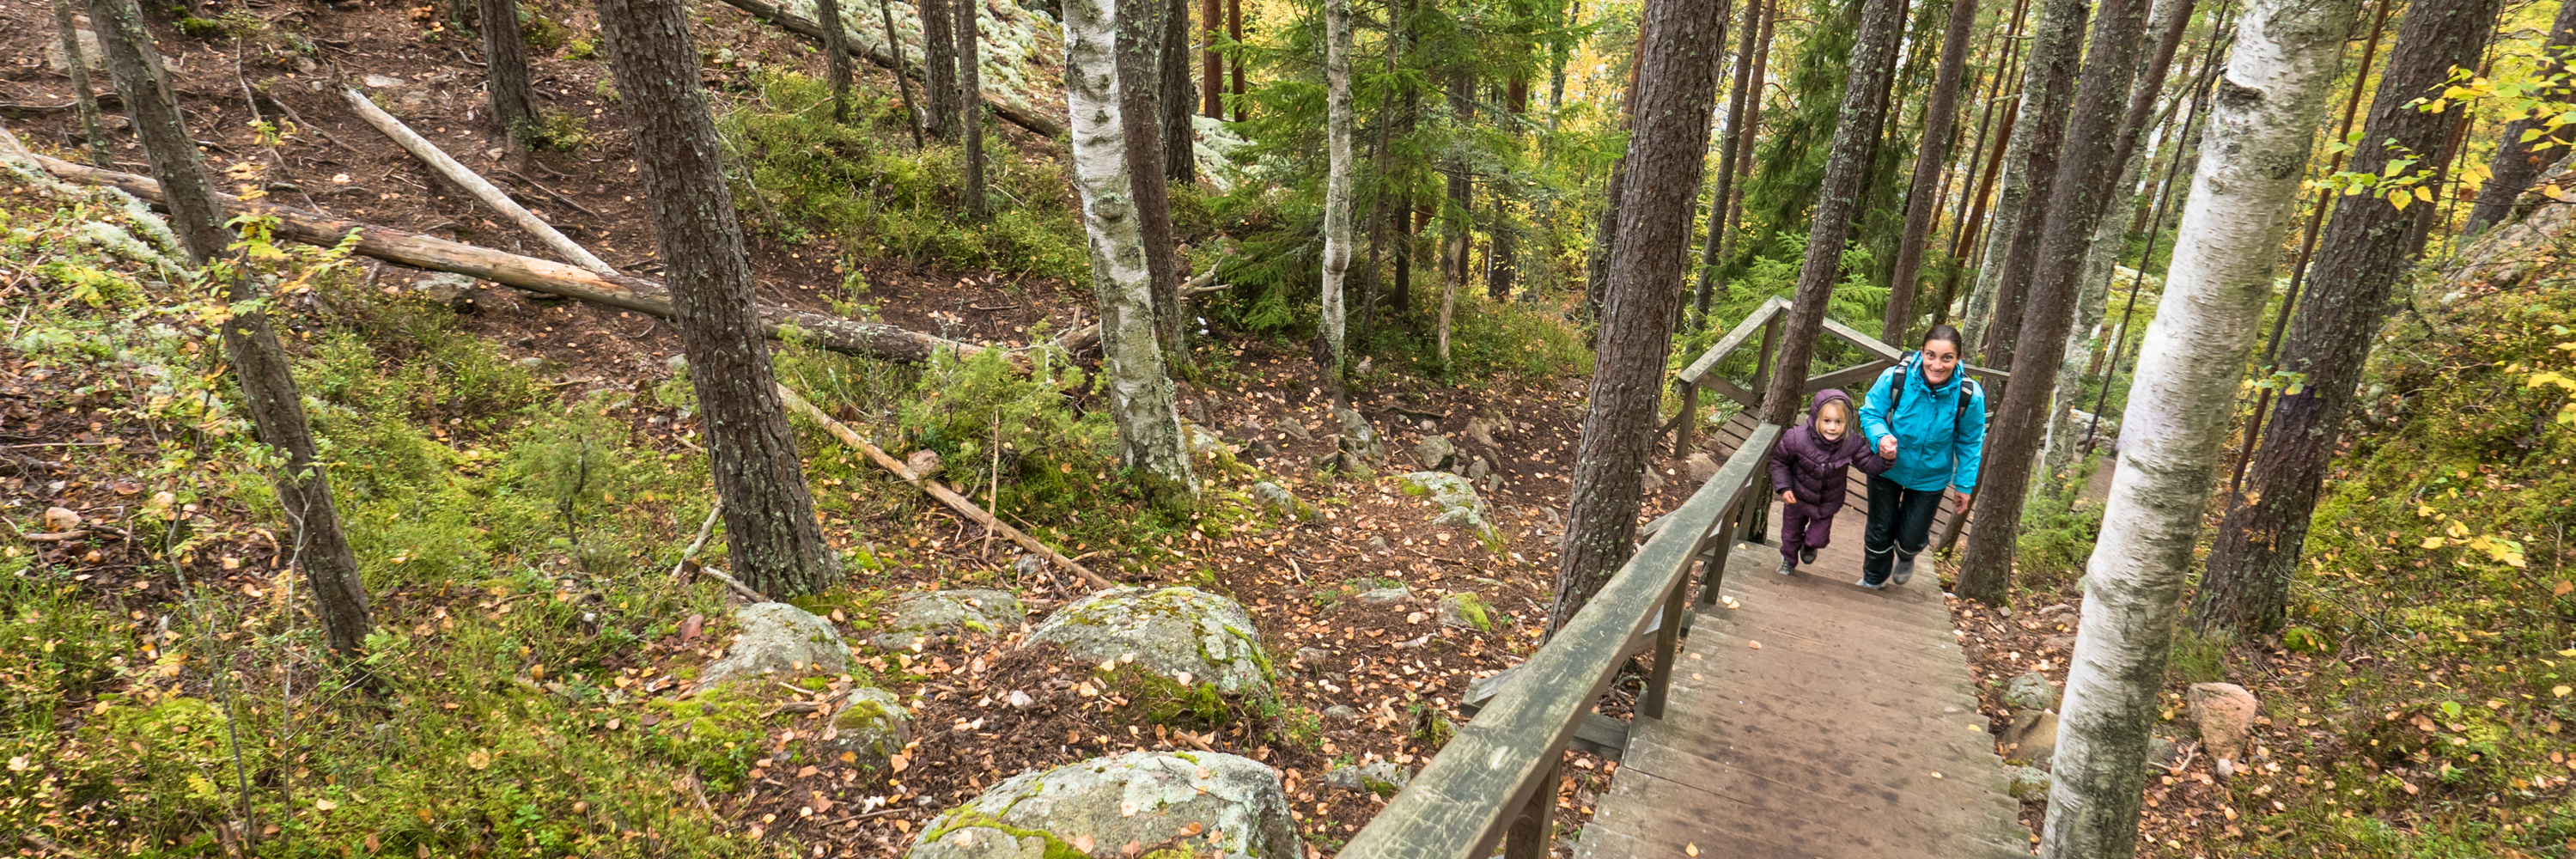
column 1887, row 447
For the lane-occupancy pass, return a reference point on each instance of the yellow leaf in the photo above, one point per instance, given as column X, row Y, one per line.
column 1691, row 849
column 2424, row 194
column 2562, row 588
column 324, row 805
column 1756, row 645
column 2432, row 543
column 2401, row 201
column 2560, row 691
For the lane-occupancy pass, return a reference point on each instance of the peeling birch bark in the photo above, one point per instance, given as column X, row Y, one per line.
column 1337, row 186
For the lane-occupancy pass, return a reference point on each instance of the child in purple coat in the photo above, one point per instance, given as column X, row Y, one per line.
column 1808, row 466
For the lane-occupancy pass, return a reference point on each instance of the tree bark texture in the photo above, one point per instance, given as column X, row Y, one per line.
column 1459, row 215
column 1721, row 226
column 2030, row 164
column 1234, row 32
column 2088, row 178
column 260, row 364
column 1922, row 203
column 772, row 537
column 1180, row 160
column 1211, row 64
column 2274, row 94
column 1675, row 93
column 939, row 66
column 970, row 103
column 836, row 56
column 1337, row 186
column 902, row 79
column 505, row 59
column 2368, row 247
column 1141, row 398
column 1139, row 58
column 2516, row 165
column 1873, row 63
column 93, row 133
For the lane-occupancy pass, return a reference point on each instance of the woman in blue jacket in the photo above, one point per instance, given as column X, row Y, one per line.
column 1930, row 419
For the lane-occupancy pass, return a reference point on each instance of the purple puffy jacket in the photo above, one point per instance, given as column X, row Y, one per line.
column 1813, row 468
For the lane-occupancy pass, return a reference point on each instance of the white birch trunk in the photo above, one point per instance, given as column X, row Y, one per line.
column 1337, row 182
column 2268, row 107
column 1140, row 394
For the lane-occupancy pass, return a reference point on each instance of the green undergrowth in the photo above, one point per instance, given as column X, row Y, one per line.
column 2058, row 531
column 862, row 188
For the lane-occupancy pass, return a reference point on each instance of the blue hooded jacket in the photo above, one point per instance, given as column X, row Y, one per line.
column 1935, row 446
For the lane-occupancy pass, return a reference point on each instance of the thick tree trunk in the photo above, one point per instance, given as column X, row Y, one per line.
column 2088, row 178
column 1337, row 187
column 1674, row 95
column 970, row 103
column 1180, row 160
column 939, row 66
column 505, row 59
column 772, row 536
column 1873, row 62
column 836, row 55
column 2368, row 247
column 93, row 133
column 2030, row 164
column 259, row 363
column 1922, row 204
column 1211, row 64
column 1721, row 227
column 2277, row 83
column 2516, row 163
column 1139, row 70
column 1140, row 394
column 1234, row 31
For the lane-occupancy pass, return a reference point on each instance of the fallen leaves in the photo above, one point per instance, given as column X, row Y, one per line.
column 1756, row 645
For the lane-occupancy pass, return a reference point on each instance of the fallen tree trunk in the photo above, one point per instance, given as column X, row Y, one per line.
column 868, row 339
column 802, row 26
column 466, row 178
column 945, row 495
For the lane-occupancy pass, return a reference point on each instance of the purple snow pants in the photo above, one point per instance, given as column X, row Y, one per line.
column 1805, row 526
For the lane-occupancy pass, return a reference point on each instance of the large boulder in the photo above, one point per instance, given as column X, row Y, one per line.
column 2031, row 737
column 1182, row 633
column 777, row 637
column 1457, row 499
column 870, row 726
column 936, row 613
column 2224, row 713
column 1118, row 806
column 2030, row 691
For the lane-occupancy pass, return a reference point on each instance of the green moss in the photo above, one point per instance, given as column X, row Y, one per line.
column 1473, row 608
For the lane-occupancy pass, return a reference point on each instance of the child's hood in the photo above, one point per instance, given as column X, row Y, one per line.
column 1826, row 396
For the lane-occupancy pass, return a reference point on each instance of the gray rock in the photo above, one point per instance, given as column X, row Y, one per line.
column 2028, row 784
column 2030, row 691
column 1652, row 480
column 1382, row 778
column 1377, row 544
column 1341, row 713
column 1279, row 500
column 1436, row 452
column 870, row 725
column 2032, row 737
column 1312, row 656
column 1382, row 596
column 2162, row 754
column 1482, row 431
column 677, row 363
column 1173, row 631
column 1479, row 469
column 937, row 613
column 1204, row 446
column 2059, row 615
column 1458, row 501
column 456, row 291
column 540, row 365
column 778, row 637
column 2224, row 713
column 56, row 60
column 1100, row 806
column 1465, row 610
column 1019, row 700
column 384, row 81
column 1358, row 438
column 1700, row 467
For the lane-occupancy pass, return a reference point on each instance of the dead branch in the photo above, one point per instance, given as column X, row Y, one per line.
column 474, row 184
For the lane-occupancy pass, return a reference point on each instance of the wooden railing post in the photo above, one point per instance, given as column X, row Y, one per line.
column 1659, row 680
column 1533, row 828
column 1689, row 417
column 1757, row 513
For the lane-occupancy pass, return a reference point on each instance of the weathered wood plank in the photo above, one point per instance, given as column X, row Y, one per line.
column 1734, row 338
column 1862, row 373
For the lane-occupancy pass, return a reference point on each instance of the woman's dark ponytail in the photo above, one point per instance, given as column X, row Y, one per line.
column 1944, row 332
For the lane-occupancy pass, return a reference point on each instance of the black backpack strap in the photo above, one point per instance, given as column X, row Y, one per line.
column 1968, row 392
column 1896, row 387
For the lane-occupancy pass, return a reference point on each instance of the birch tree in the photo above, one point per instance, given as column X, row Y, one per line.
column 1140, row 395
column 2242, row 202
column 1337, row 185
column 259, row 363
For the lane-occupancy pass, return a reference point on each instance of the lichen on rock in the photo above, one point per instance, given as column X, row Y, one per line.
column 1099, row 806
column 869, row 727
column 1182, row 633
column 778, row 637
column 1459, row 504
column 936, row 613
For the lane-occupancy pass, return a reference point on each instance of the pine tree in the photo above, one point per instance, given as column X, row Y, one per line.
column 1922, row 204
column 505, row 61
column 2030, row 164
column 939, row 68
column 970, row 104
column 1180, row 159
column 836, row 56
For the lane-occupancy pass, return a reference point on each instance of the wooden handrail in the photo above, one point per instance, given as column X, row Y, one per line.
column 1501, row 768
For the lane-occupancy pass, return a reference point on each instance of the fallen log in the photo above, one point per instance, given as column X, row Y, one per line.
column 466, row 178
column 869, row 339
column 945, row 495
column 802, row 26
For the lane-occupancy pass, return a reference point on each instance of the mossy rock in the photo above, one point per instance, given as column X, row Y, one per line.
column 870, row 726
column 954, row 612
column 1459, row 504
column 1098, row 807
column 1187, row 635
column 1466, row 610
column 777, row 637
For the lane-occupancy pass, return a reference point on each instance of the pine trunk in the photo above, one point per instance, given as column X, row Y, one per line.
column 902, row 84
column 2030, row 164
column 1140, row 394
column 1337, row 187
column 970, row 104
column 1139, row 58
column 775, row 543
column 836, row 56
column 1922, row 203
column 2517, row 163
column 260, row 364
column 1234, row 32
column 2088, row 178
column 939, row 67
column 1729, row 149
column 1180, row 160
column 1873, row 62
column 505, row 60
column 93, row 133
column 1678, row 49
column 2368, row 247
column 2277, row 84
column 1211, row 64
column 1380, row 154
